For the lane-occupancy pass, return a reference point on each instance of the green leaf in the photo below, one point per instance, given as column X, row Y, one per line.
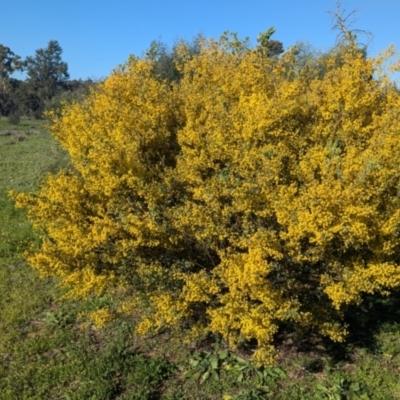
column 355, row 387
column 260, row 376
column 241, row 360
column 223, row 354
column 281, row 373
column 194, row 363
column 195, row 375
column 214, row 363
column 322, row 387
column 215, row 375
column 205, row 377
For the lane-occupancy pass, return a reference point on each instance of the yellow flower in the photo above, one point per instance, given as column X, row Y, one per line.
column 245, row 194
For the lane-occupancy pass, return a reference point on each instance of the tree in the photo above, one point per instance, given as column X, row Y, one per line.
column 9, row 63
column 348, row 36
column 46, row 72
column 73, row 90
column 166, row 61
column 270, row 48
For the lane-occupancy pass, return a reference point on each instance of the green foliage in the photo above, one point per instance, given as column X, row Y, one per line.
column 71, row 91
column 46, row 70
column 270, row 48
column 9, row 63
column 146, row 376
column 339, row 389
column 58, row 358
column 166, row 61
column 46, row 84
column 208, row 364
column 9, row 87
column 14, row 118
column 205, row 365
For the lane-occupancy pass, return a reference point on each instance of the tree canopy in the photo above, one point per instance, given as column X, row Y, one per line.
column 46, row 85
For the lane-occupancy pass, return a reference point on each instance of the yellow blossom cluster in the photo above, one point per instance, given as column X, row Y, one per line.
column 250, row 192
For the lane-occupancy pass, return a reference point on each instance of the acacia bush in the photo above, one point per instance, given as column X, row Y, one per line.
column 250, row 193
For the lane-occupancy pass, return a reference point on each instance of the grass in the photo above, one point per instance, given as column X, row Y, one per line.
column 46, row 354
column 23, row 125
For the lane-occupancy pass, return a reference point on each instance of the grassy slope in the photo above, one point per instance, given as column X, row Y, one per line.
column 45, row 355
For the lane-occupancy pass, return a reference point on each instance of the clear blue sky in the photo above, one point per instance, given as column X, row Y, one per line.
column 96, row 36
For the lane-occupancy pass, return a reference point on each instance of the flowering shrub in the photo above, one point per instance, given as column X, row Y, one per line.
column 250, row 193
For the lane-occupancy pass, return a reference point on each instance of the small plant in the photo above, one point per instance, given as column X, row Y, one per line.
column 59, row 318
column 267, row 376
column 341, row 388
column 249, row 394
column 209, row 364
column 146, row 376
column 206, row 364
column 14, row 118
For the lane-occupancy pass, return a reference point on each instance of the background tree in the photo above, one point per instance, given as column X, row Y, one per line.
column 73, row 90
column 166, row 59
column 9, row 63
column 270, row 48
column 311, row 61
column 46, row 73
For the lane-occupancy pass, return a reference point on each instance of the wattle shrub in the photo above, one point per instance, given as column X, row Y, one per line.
column 252, row 192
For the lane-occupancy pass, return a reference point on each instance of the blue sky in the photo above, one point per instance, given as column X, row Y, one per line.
column 96, row 36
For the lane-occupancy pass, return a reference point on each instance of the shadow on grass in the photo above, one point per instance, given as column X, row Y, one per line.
column 376, row 314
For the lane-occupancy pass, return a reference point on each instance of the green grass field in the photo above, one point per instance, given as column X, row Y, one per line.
column 23, row 125
column 45, row 354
